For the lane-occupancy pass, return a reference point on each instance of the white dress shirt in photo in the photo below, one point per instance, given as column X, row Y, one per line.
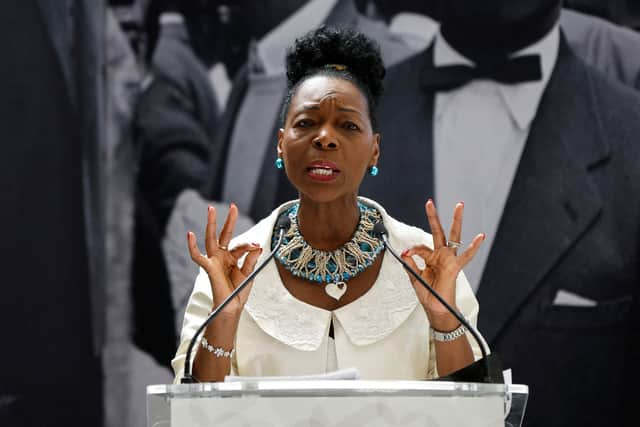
column 480, row 130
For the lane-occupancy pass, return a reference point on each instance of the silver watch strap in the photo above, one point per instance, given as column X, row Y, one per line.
column 448, row 336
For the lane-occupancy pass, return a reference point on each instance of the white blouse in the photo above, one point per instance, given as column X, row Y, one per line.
column 384, row 333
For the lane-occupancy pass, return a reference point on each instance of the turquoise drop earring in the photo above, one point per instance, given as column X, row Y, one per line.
column 279, row 163
column 373, row 170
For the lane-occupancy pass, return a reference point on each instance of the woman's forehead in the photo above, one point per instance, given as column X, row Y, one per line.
column 318, row 90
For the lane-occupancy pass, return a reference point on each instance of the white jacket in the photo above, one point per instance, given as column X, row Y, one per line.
column 384, row 333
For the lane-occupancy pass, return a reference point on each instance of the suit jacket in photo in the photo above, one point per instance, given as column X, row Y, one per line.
column 612, row 49
column 52, row 304
column 175, row 122
column 570, row 226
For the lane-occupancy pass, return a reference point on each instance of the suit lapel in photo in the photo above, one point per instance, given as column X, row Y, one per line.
column 552, row 201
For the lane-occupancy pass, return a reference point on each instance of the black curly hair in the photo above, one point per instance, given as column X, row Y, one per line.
column 338, row 52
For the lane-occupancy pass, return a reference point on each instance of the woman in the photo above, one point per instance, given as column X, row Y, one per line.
column 332, row 299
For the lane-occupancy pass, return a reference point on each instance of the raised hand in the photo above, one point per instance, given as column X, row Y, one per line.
column 221, row 264
column 442, row 266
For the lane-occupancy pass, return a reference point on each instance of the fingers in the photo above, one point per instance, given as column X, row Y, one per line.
column 434, row 222
column 210, row 241
column 421, row 250
column 229, row 225
column 250, row 261
column 238, row 251
column 194, row 251
column 406, row 257
column 254, row 250
column 471, row 250
column 455, row 234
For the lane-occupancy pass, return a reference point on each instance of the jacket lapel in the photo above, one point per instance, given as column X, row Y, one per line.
column 552, row 200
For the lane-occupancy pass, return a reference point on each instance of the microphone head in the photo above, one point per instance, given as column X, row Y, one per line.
column 283, row 223
column 379, row 230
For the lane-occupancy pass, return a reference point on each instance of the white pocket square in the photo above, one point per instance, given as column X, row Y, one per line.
column 567, row 298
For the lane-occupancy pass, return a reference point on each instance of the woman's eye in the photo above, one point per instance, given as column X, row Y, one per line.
column 304, row 123
column 351, row 126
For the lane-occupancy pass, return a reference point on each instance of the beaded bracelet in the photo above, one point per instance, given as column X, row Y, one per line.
column 216, row 351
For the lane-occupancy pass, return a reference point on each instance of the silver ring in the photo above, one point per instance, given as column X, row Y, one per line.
column 224, row 248
column 453, row 244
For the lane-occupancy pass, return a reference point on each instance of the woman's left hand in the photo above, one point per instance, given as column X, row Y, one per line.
column 442, row 266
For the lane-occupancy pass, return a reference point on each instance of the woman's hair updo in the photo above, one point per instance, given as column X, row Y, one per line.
column 339, row 52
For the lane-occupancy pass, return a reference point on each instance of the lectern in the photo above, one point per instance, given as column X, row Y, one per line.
column 336, row 403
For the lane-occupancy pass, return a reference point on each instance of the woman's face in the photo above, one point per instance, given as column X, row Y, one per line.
column 328, row 143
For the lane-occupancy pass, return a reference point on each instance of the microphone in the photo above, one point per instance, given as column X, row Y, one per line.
column 488, row 368
column 282, row 225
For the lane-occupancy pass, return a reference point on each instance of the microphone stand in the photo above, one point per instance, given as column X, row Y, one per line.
column 487, row 369
column 281, row 226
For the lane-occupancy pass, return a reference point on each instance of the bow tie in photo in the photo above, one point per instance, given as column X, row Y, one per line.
column 520, row 69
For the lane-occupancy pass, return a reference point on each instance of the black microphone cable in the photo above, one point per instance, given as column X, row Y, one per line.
column 282, row 226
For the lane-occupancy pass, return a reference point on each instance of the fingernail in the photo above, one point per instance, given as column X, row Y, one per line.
column 405, row 252
column 461, row 202
column 484, row 236
column 430, row 200
column 255, row 244
column 233, row 204
column 210, row 208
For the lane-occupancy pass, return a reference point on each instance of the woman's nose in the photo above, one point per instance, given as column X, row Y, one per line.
column 325, row 141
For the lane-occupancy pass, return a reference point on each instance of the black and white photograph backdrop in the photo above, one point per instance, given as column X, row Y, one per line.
column 121, row 121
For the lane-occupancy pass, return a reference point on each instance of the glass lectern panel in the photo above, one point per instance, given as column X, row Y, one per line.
column 376, row 403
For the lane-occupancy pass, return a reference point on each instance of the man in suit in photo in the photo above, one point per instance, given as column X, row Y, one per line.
column 52, row 302
column 609, row 47
column 500, row 113
column 175, row 122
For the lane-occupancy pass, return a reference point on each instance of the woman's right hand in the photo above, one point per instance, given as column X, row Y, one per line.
column 221, row 264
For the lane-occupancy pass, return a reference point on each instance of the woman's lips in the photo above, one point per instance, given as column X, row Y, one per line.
column 322, row 171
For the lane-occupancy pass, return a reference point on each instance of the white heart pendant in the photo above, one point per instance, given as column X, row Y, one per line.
column 336, row 290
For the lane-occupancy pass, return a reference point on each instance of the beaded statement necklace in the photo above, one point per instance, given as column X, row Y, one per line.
column 331, row 268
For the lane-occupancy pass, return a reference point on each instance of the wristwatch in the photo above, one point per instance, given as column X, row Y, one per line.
column 448, row 336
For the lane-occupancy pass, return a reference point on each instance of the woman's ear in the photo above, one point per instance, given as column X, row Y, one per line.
column 376, row 149
column 280, row 141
